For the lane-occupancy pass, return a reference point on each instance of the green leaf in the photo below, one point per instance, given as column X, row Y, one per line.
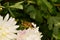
column 17, row 5
column 54, row 0
column 56, row 36
column 31, row 2
column 31, row 11
column 56, row 30
column 53, row 20
column 50, row 22
column 48, row 4
column 38, row 2
column 0, row 0
column 34, row 13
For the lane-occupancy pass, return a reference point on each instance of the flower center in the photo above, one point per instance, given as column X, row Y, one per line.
column 1, row 28
column 4, row 34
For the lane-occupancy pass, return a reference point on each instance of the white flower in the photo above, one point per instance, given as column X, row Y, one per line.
column 7, row 28
column 29, row 34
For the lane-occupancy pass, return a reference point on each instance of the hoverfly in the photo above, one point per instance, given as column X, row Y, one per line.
column 28, row 24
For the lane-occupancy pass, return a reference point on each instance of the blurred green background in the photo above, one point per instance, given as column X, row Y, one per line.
column 44, row 13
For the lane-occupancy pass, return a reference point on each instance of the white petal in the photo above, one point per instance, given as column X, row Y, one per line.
column 1, row 18
column 6, row 17
column 33, row 24
column 12, row 21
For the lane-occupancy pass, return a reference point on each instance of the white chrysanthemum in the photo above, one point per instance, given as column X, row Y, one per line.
column 7, row 28
column 29, row 34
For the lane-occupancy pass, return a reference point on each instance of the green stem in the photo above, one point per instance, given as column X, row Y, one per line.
column 11, row 12
column 56, row 39
column 52, row 38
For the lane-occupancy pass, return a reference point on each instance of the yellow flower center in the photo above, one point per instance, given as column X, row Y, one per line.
column 1, row 28
column 3, row 32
